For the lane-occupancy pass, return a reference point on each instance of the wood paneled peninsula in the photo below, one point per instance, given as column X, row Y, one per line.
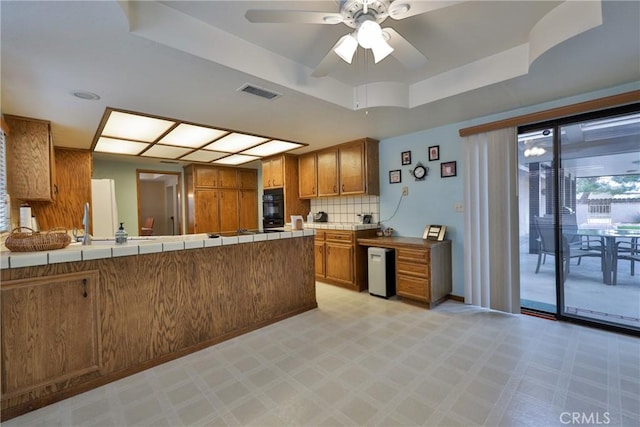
column 77, row 318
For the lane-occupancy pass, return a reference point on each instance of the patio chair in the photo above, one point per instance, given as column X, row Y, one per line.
column 627, row 250
column 545, row 229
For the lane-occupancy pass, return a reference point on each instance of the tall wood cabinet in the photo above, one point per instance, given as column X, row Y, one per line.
column 30, row 159
column 281, row 171
column 347, row 169
column 221, row 199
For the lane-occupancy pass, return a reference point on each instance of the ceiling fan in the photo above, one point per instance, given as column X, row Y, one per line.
column 365, row 17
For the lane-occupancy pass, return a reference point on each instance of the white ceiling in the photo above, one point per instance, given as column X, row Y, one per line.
column 186, row 60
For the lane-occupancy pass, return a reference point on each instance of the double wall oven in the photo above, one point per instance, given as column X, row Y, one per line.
column 273, row 208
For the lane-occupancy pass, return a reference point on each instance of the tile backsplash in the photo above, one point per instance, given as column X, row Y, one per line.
column 344, row 209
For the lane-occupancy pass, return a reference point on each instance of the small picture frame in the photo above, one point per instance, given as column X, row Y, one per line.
column 395, row 176
column 434, row 153
column 406, row 158
column 448, row 169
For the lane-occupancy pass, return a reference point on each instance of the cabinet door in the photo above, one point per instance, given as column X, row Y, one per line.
column 228, row 206
column 307, row 176
column 30, row 163
column 319, row 259
column 266, row 174
column 227, row 178
column 339, row 263
column 205, row 176
column 328, row 173
column 50, row 331
column 206, row 211
column 352, row 168
column 248, row 179
column 248, row 209
column 277, row 171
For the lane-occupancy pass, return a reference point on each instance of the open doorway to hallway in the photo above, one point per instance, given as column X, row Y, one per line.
column 159, row 199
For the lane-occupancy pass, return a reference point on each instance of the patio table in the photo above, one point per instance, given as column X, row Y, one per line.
column 609, row 237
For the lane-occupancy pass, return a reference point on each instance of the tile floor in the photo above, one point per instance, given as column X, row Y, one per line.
column 362, row 360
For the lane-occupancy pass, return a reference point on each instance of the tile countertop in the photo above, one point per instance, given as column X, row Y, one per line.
column 134, row 246
column 340, row 226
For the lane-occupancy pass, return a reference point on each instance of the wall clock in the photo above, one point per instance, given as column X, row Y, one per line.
column 420, row 172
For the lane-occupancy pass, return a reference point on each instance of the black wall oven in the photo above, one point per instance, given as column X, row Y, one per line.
column 273, row 208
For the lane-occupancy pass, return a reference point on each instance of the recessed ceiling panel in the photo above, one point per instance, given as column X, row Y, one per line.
column 235, row 142
column 132, row 126
column 119, row 146
column 203, row 156
column 166, row 151
column 235, row 159
column 272, row 147
column 187, row 135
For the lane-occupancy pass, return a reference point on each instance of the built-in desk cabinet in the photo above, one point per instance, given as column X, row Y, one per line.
column 423, row 267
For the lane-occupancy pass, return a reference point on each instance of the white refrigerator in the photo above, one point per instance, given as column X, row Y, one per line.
column 104, row 215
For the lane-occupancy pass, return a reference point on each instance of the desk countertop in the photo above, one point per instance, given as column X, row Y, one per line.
column 399, row 242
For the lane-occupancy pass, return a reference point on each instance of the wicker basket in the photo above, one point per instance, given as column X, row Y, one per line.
column 21, row 241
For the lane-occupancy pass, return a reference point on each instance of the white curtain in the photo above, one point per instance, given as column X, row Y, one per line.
column 491, row 248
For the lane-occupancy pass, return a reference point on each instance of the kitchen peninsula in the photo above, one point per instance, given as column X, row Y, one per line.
column 76, row 318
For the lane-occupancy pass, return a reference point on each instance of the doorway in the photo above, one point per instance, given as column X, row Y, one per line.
column 579, row 204
column 159, row 198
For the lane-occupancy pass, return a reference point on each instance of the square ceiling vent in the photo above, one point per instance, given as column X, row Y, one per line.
column 258, row 91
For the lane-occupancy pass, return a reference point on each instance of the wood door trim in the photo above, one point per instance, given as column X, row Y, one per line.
column 554, row 113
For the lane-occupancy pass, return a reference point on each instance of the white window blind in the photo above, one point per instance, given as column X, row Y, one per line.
column 4, row 207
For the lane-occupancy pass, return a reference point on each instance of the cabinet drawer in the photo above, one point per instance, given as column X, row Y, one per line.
column 340, row 237
column 412, row 269
column 410, row 255
column 320, row 235
column 412, row 287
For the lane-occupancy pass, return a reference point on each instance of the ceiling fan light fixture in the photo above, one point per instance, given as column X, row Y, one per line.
column 346, row 48
column 381, row 49
column 369, row 32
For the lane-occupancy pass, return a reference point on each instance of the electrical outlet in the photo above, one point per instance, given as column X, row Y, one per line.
column 405, row 191
column 458, row 207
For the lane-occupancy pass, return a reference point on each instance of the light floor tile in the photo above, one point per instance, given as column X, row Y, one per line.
column 361, row 360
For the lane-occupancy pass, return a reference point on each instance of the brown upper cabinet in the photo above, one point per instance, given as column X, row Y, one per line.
column 347, row 169
column 273, row 172
column 215, row 177
column 30, row 159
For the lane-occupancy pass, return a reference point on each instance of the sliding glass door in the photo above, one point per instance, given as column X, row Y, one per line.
column 580, row 217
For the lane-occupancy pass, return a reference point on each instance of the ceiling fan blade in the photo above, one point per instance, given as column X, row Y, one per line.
column 401, row 9
column 404, row 51
column 330, row 60
column 292, row 17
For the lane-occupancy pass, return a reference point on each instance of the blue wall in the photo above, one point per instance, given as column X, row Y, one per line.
column 433, row 200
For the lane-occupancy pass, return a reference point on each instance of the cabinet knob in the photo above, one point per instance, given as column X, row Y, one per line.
column 342, row 187
column 335, row 189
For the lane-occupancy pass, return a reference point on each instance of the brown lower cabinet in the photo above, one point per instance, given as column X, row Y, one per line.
column 339, row 260
column 423, row 267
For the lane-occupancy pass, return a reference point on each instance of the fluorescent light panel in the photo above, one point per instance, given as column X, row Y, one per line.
column 270, row 148
column 235, row 159
column 119, row 146
column 186, row 135
column 235, row 142
column 166, row 151
column 203, row 156
column 131, row 126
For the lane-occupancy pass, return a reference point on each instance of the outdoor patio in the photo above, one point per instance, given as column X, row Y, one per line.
column 585, row 293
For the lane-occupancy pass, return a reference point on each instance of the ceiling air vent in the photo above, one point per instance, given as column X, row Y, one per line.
column 258, row 91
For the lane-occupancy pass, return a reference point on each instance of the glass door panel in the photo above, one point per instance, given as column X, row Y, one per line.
column 536, row 185
column 599, row 194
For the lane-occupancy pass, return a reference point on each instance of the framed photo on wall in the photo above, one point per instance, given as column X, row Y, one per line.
column 434, row 153
column 406, row 157
column 395, row 176
column 448, row 169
